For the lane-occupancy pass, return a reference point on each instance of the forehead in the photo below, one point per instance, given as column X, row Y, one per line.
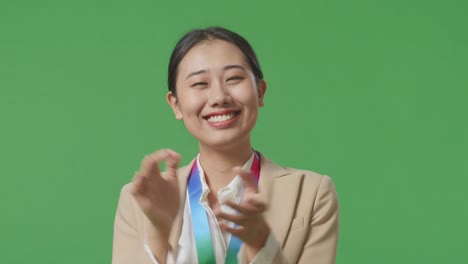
column 211, row 55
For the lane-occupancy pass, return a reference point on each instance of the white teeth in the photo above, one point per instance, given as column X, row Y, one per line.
column 220, row 118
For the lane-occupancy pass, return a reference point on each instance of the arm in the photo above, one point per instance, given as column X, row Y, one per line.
column 128, row 246
column 322, row 238
column 151, row 201
column 321, row 234
column 270, row 253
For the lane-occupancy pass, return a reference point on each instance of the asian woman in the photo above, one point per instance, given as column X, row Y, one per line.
column 230, row 204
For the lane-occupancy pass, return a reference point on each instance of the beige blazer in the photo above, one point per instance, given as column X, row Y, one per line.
column 302, row 214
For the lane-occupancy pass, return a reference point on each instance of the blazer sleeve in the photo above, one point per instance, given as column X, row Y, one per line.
column 322, row 239
column 128, row 243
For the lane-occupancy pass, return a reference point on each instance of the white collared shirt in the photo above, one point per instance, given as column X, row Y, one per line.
column 187, row 251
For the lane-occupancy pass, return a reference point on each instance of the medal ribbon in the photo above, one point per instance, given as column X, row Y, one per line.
column 201, row 228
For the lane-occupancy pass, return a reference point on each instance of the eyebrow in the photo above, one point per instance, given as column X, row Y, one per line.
column 195, row 73
column 227, row 67
column 234, row 66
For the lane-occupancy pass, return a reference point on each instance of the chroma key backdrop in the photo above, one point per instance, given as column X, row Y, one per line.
column 372, row 93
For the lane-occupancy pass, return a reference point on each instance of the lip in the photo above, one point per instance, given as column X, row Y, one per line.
column 222, row 124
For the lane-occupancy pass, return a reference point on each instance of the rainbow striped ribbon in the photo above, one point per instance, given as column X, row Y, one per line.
column 201, row 229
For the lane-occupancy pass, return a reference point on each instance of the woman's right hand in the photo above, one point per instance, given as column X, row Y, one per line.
column 158, row 193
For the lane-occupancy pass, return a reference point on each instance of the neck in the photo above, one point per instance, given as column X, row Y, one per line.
column 218, row 163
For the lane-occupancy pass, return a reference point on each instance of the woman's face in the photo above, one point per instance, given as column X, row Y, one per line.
column 217, row 94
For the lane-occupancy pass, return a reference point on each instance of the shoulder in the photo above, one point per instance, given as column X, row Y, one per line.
column 127, row 202
column 313, row 179
column 309, row 178
column 313, row 188
column 129, row 216
column 310, row 175
column 316, row 186
column 127, row 188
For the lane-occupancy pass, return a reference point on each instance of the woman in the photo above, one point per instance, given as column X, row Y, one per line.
column 230, row 203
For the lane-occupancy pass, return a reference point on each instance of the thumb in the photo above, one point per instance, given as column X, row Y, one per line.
column 246, row 175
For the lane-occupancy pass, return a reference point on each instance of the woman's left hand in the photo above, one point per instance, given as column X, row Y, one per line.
column 251, row 227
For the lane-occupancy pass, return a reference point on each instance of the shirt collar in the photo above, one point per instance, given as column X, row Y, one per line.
column 235, row 186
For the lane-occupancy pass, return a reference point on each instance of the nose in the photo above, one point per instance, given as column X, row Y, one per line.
column 219, row 95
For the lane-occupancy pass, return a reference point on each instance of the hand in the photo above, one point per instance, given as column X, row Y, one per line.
column 158, row 193
column 252, row 227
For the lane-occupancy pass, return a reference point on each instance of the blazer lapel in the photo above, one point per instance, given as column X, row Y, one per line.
column 280, row 188
column 182, row 176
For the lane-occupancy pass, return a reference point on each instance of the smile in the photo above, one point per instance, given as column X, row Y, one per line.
column 221, row 118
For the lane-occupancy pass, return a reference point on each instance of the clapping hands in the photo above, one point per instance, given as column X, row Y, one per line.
column 158, row 193
column 251, row 228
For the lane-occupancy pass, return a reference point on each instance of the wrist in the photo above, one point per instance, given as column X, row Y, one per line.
column 158, row 242
column 252, row 248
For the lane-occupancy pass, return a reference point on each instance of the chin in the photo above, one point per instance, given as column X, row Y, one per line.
column 223, row 141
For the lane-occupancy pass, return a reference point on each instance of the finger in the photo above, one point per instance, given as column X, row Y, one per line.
column 236, row 231
column 246, row 175
column 256, row 201
column 246, row 208
column 150, row 164
column 172, row 162
column 139, row 185
column 235, row 218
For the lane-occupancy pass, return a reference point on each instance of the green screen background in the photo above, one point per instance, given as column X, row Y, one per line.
column 372, row 93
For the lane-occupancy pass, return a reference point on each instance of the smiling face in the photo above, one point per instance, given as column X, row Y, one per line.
column 217, row 94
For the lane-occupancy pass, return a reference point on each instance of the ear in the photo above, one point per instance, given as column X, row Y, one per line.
column 174, row 104
column 262, row 87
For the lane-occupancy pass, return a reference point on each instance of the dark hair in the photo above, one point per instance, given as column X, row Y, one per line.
column 196, row 36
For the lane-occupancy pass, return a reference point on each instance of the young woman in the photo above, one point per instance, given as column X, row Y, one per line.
column 230, row 204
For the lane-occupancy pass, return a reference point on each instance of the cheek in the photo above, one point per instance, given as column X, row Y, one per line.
column 247, row 96
column 191, row 103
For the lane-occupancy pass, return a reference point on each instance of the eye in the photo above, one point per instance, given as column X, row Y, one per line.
column 199, row 84
column 234, row 79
